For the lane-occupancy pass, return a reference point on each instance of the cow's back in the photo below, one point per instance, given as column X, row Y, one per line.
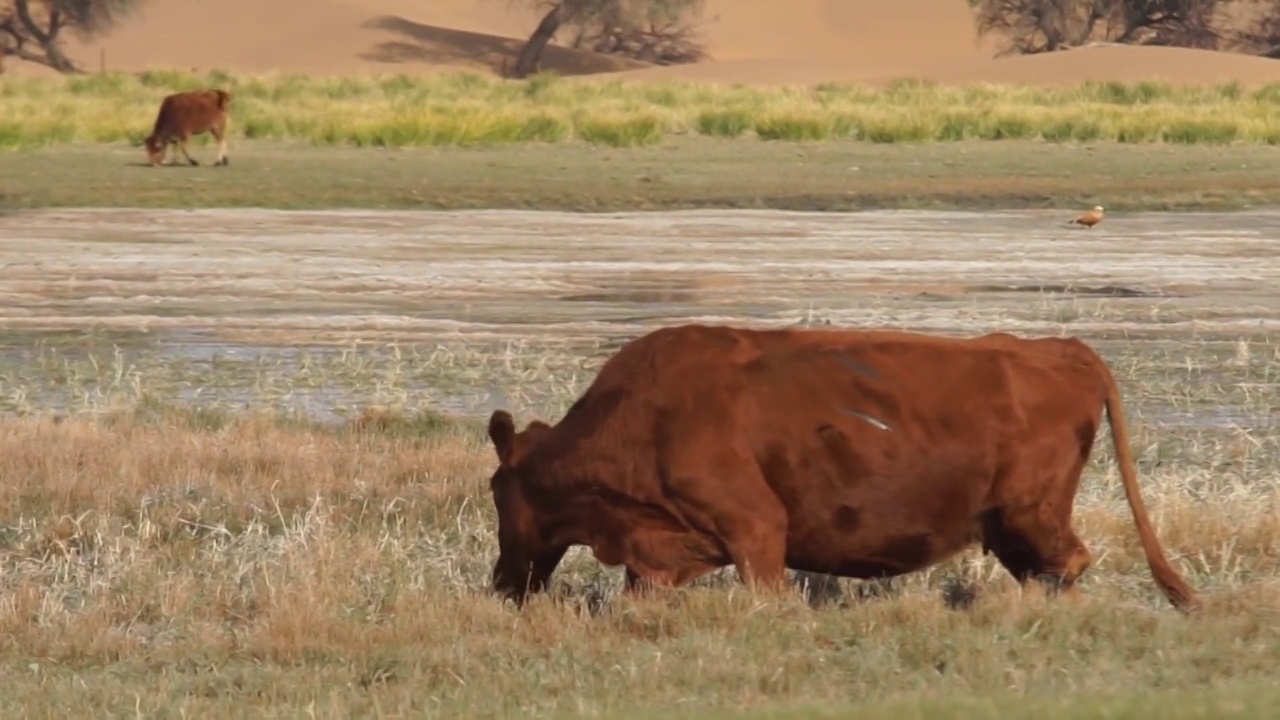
column 824, row 414
column 766, row 385
column 192, row 112
column 762, row 383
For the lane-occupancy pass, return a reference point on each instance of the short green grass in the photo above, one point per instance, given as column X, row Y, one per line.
column 672, row 173
column 469, row 109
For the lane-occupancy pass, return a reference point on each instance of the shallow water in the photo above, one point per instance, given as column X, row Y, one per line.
column 192, row 285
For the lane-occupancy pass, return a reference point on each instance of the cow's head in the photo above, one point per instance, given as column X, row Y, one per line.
column 155, row 149
column 525, row 562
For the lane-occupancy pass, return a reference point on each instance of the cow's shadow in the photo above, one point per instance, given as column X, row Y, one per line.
column 172, row 166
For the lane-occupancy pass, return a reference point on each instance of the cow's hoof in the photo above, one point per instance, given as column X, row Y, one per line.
column 194, row 162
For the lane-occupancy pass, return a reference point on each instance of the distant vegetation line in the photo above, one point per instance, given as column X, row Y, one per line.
column 469, row 109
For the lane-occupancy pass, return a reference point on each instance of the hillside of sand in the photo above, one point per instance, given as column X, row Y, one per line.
column 328, row 37
column 750, row 42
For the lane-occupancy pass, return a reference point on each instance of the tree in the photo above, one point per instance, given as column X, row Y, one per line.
column 1178, row 23
column 32, row 29
column 651, row 30
column 1035, row 26
column 1262, row 37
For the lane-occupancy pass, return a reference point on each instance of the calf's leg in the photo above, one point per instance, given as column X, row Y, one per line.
column 220, row 134
column 171, row 147
column 182, row 145
column 1030, row 529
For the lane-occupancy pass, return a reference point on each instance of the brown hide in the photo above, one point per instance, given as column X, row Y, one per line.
column 854, row 453
column 185, row 114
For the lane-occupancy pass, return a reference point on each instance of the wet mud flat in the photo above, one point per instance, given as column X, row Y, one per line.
column 469, row 310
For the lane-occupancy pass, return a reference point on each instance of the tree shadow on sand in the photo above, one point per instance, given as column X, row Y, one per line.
column 433, row 45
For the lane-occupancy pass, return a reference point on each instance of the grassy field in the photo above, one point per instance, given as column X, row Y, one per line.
column 203, row 560
column 467, row 109
column 176, row 539
column 685, row 172
column 464, row 141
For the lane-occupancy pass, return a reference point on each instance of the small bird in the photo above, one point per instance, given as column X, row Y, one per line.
column 1089, row 218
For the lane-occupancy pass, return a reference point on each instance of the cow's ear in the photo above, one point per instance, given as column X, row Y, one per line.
column 502, row 431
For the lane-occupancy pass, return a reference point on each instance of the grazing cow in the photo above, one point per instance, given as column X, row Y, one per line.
column 1089, row 218
column 185, row 114
column 854, row 453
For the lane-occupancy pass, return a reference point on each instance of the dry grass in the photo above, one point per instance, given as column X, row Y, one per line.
column 192, row 560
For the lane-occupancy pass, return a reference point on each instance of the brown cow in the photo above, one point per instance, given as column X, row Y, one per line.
column 185, row 114
column 855, row 453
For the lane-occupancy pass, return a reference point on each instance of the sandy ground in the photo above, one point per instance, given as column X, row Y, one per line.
column 303, row 277
column 750, row 41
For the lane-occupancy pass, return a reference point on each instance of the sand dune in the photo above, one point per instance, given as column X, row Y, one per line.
column 330, row 37
column 1099, row 63
column 841, row 31
column 750, row 41
column 1118, row 63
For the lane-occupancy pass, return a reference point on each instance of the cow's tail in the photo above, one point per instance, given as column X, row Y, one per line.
column 1167, row 578
column 222, row 98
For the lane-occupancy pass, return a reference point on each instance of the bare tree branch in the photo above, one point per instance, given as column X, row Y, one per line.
column 1036, row 26
column 1263, row 35
column 32, row 29
column 658, row 31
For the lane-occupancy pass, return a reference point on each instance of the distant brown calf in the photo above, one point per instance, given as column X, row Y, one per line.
column 189, row 113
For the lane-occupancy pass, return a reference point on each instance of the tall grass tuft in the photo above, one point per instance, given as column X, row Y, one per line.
column 724, row 123
column 809, row 126
column 620, row 131
column 470, row 109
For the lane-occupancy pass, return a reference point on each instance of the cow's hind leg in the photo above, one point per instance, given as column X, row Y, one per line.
column 1036, row 543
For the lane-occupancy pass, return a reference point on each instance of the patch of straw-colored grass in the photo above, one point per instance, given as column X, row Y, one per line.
column 170, row 556
column 620, row 131
column 793, row 127
column 469, row 109
column 724, row 123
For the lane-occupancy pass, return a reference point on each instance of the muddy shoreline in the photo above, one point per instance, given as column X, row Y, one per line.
column 224, row 303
